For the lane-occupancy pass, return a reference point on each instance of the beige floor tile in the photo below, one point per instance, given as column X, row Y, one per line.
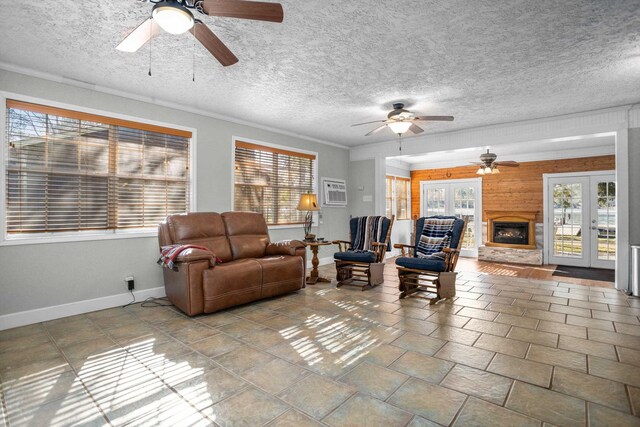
column 362, row 410
column 209, row 387
column 259, row 315
column 482, row 414
column 216, row 345
column 605, row 325
column 151, row 353
column 531, row 304
column 534, row 337
column 23, row 343
column 485, row 385
column 629, row 356
column 630, row 311
column 242, row 359
column 383, row 355
column 444, row 318
column 623, row 340
column 462, row 336
column 520, row 369
column 551, row 299
column 217, row 319
column 621, row 372
column 558, row 357
column 470, row 356
column 587, row 347
column 563, row 329
column 233, row 411
column 430, row 401
column 546, row 405
column 24, row 372
column 193, row 333
column 421, row 366
column 469, row 302
column 573, row 311
column 419, row 343
column 523, row 322
column 182, row 368
column 374, row 380
column 293, row 418
column 275, row 375
column 502, row 345
column 21, row 332
column 625, row 328
column 115, row 321
column 616, row 317
column 589, row 304
column 81, row 351
column 545, row 315
column 506, row 308
column 28, row 394
column 127, row 332
column 72, row 409
column 417, row 326
column 591, row 388
column 634, row 396
column 603, row 416
column 413, row 312
column 485, row 326
column 240, row 328
column 317, row 396
column 264, row 338
column 516, row 295
column 14, row 359
column 477, row 313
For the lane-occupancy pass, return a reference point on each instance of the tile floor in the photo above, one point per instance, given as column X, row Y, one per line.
column 507, row 351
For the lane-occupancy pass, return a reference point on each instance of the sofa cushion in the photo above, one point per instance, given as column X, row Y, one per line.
column 248, row 234
column 355, row 256
column 280, row 274
column 428, row 264
column 201, row 228
column 232, row 283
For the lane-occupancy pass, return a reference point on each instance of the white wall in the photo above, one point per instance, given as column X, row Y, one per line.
column 44, row 275
column 361, row 188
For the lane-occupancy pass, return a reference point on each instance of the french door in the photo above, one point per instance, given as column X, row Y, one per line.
column 458, row 197
column 580, row 220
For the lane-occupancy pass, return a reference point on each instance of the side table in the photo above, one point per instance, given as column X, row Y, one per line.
column 313, row 275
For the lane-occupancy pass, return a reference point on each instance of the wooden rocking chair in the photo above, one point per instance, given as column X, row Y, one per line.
column 362, row 268
column 432, row 274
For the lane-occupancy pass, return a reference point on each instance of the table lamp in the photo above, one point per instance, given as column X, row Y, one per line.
column 308, row 202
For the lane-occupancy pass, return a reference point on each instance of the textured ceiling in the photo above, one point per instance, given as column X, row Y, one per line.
column 334, row 63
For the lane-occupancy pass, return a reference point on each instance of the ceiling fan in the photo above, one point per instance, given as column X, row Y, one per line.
column 175, row 17
column 488, row 164
column 400, row 121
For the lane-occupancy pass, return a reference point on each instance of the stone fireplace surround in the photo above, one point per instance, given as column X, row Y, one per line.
column 530, row 253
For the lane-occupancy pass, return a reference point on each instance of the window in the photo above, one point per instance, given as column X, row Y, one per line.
column 270, row 181
column 397, row 197
column 68, row 172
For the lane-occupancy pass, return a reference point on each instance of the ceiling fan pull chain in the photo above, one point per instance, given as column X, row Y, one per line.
column 400, row 142
column 193, row 64
column 150, row 42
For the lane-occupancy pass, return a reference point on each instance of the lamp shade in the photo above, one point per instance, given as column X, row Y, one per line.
column 399, row 127
column 308, row 202
column 172, row 17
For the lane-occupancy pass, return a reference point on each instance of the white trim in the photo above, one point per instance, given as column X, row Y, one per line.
column 81, row 236
column 316, row 168
column 399, row 164
column 168, row 104
column 622, row 204
column 44, row 314
column 584, row 173
column 394, row 196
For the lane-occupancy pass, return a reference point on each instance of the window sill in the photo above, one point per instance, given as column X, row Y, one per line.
column 287, row 226
column 16, row 241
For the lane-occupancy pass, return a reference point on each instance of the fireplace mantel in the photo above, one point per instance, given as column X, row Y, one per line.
column 512, row 216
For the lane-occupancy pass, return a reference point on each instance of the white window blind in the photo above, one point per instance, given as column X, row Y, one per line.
column 270, row 181
column 397, row 197
column 68, row 171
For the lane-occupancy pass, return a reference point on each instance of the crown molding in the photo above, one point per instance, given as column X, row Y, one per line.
column 155, row 101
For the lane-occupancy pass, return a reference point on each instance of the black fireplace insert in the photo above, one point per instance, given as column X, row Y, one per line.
column 513, row 233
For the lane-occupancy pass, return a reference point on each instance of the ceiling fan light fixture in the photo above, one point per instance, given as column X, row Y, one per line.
column 173, row 17
column 480, row 171
column 399, row 126
column 487, row 170
column 495, row 170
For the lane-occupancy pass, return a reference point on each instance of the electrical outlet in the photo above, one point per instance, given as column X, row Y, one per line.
column 130, row 283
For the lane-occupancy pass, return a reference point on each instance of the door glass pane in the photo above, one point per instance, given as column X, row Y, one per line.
column 567, row 220
column 435, row 201
column 464, row 206
column 606, row 198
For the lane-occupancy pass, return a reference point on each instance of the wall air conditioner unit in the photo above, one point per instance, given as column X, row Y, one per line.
column 334, row 192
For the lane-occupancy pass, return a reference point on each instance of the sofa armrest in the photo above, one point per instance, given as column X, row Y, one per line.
column 284, row 247
column 192, row 255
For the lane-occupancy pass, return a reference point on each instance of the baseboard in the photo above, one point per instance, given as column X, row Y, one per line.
column 29, row 317
column 322, row 261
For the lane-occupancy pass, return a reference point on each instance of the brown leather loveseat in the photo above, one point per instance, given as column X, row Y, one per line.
column 252, row 267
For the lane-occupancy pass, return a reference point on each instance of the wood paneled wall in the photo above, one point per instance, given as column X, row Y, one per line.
column 514, row 188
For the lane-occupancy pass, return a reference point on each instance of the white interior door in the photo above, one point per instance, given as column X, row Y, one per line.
column 461, row 198
column 581, row 219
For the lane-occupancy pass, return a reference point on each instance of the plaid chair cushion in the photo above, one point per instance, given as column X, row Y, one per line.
column 435, row 236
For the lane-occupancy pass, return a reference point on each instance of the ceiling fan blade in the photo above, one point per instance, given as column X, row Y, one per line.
column 368, row 123
column 213, row 44
column 376, row 130
column 508, row 163
column 256, row 10
column 435, row 118
column 138, row 37
column 416, row 129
